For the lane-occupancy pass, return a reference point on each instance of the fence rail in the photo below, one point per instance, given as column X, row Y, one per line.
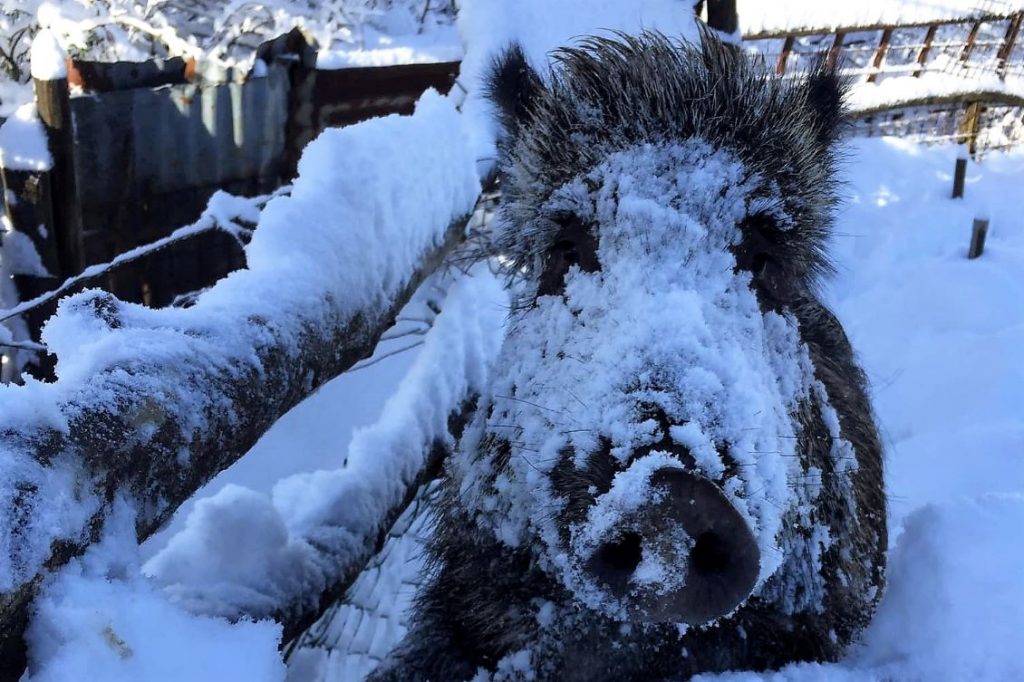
column 976, row 64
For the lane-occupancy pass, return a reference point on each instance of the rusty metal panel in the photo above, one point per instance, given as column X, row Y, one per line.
column 345, row 96
column 337, row 97
column 110, row 76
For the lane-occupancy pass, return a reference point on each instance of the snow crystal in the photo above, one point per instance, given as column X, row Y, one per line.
column 23, row 141
column 47, row 57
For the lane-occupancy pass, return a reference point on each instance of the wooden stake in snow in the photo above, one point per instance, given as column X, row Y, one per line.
column 959, row 175
column 978, row 233
column 50, row 78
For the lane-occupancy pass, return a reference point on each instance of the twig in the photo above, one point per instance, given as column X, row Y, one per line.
column 24, row 345
column 387, row 355
column 206, row 223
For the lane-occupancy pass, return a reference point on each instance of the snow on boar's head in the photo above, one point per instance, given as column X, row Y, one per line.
column 677, row 434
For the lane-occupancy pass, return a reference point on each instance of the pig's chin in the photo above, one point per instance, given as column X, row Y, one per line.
column 664, row 545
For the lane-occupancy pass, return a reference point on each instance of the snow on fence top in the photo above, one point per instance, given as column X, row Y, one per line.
column 758, row 18
column 223, row 36
column 23, row 141
column 154, row 402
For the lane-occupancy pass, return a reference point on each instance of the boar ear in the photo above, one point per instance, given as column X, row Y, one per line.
column 826, row 91
column 514, row 87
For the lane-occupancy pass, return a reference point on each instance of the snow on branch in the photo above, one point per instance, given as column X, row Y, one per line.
column 289, row 556
column 225, row 212
column 153, row 403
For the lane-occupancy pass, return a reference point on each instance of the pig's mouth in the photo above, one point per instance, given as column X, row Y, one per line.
column 688, row 556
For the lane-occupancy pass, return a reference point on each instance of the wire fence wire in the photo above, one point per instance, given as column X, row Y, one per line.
column 984, row 53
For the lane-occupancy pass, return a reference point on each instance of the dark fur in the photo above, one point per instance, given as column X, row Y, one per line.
column 605, row 96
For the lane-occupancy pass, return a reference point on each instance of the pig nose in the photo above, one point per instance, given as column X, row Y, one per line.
column 721, row 558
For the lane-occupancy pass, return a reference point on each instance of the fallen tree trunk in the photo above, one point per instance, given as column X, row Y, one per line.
column 153, row 403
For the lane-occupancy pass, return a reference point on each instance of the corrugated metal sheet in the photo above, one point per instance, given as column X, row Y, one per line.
column 147, row 161
column 151, row 141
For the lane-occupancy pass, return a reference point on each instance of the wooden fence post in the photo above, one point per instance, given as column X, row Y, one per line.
column 722, row 16
column 969, row 126
column 837, row 46
column 787, row 47
column 54, row 106
column 978, row 233
column 922, row 56
column 1009, row 39
column 959, row 176
column 883, row 47
column 965, row 55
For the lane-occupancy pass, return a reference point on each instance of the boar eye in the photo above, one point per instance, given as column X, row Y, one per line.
column 573, row 246
column 758, row 254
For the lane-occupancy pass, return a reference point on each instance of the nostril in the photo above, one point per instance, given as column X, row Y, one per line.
column 710, row 555
column 622, row 555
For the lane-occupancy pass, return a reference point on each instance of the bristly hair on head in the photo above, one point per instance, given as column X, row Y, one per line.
column 607, row 94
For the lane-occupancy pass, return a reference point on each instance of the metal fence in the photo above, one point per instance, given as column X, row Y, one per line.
column 980, row 52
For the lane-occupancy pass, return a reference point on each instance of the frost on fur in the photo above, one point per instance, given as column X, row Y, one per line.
column 675, row 469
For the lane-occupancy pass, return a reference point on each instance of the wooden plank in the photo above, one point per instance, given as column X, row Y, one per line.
column 993, row 97
column 883, row 48
column 1008, row 41
column 965, row 55
column 833, row 52
column 54, row 106
column 922, row 56
column 787, row 47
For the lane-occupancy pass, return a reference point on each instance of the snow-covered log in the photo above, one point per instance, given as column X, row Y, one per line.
column 153, row 403
column 291, row 555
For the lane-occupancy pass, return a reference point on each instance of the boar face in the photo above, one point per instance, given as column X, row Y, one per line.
column 641, row 429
